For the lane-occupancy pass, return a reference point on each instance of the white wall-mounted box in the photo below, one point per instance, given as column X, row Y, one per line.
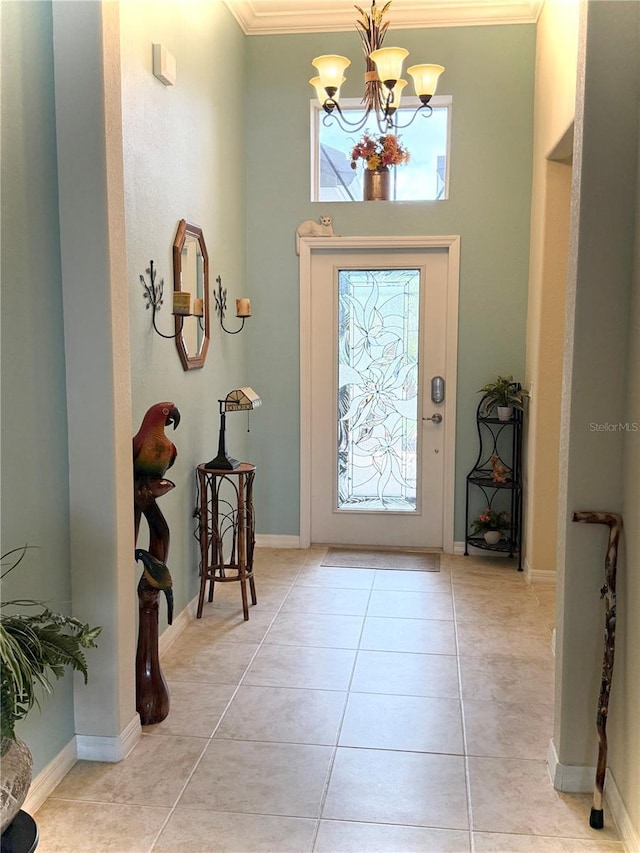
column 164, row 65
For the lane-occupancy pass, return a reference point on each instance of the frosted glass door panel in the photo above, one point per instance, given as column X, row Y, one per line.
column 378, row 344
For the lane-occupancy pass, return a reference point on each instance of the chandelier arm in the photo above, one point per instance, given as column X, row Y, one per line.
column 341, row 121
column 418, row 111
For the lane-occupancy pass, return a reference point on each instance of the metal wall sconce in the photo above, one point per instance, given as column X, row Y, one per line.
column 243, row 308
column 181, row 307
column 239, row 400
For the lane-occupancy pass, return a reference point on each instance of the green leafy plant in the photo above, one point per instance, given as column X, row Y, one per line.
column 35, row 648
column 503, row 391
column 491, row 520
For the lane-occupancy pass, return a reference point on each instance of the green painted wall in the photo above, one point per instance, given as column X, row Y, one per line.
column 489, row 73
column 35, row 483
column 213, row 150
column 183, row 158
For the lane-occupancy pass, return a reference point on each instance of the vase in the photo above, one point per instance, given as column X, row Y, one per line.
column 377, row 184
column 15, row 778
column 492, row 537
column 505, row 413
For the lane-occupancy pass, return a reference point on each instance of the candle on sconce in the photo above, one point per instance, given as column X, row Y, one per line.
column 198, row 307
column 181, row 302
column 243, row 308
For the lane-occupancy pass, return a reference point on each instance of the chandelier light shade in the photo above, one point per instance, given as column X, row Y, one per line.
column 388, row 62
column 397, row 94
column 321, row 92
column 382, row 79
column 330, row 69
column 425, row 80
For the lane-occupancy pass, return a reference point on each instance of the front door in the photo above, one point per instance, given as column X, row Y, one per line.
column 382, row 393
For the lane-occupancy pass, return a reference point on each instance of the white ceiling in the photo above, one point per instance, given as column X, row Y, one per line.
column 261, row 17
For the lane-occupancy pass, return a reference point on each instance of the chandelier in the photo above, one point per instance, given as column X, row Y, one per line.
column 383, row 83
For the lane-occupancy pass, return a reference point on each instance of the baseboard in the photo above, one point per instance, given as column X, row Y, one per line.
column 581, row 780
column 173, row 631
column 628, row 834
column 539, row 576
column 458, row 549
column 93, row 748
column 571, row 778
column 50, row 777
column 268, row 540
column 542, row 577
column 98, row 748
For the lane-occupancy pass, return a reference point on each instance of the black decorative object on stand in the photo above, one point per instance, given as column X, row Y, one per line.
column 497, row 477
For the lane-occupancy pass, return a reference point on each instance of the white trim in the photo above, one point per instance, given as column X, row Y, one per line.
column 307, row 246
column 268, row 540
column 98, row 748
column 571, row 778
column 458, row 549
column 581, row 780
column 538, row 575
column 317, row 115
column 628, row 835
column 172, row 632
column 266, row 17
column 541, row 577
column 50, row 777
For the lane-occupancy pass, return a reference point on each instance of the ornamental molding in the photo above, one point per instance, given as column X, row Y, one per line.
column 270, row 17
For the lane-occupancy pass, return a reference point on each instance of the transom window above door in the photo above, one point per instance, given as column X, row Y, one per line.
column 424, row 178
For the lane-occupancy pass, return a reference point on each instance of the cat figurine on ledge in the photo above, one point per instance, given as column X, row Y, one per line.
column 310, row 228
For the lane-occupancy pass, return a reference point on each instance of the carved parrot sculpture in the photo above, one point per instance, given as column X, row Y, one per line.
column 153, row 452
column 157, row 574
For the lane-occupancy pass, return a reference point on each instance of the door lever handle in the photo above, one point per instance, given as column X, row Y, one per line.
column 437, row 418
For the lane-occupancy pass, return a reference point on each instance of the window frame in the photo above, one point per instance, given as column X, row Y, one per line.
column 346, row 104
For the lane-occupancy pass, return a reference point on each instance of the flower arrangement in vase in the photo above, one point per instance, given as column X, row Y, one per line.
column 491, row 524
column 378, row 154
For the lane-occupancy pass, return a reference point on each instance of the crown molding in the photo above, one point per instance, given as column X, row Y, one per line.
column 270, row 17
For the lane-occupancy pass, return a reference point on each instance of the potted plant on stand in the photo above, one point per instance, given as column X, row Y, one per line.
column 34, row 647
column 503, row 394
column 491, row 525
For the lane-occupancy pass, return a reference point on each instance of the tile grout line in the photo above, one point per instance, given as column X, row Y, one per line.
column 216, row 727
column 467, row 776
column 325, row 789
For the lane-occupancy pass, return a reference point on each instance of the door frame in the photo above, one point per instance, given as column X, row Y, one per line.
column 309, row 245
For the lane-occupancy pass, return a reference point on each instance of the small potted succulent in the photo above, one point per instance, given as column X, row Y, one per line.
column 503, row 394
column 491, row 524
column 34, row 648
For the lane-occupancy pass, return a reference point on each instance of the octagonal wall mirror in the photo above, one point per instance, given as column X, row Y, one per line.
column 191, row 275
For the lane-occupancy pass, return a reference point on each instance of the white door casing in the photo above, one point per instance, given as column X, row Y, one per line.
column 441, row 315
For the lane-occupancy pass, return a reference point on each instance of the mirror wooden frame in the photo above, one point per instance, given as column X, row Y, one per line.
column 185, row 229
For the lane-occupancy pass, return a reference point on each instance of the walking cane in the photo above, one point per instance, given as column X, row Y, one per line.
column 608, row 592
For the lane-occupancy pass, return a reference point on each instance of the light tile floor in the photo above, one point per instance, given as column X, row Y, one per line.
column 357, row 710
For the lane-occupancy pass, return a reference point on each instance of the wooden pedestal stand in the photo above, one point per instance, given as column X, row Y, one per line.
column 152, row 693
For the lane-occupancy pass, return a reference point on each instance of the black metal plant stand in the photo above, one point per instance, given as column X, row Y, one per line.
column 499, row 458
